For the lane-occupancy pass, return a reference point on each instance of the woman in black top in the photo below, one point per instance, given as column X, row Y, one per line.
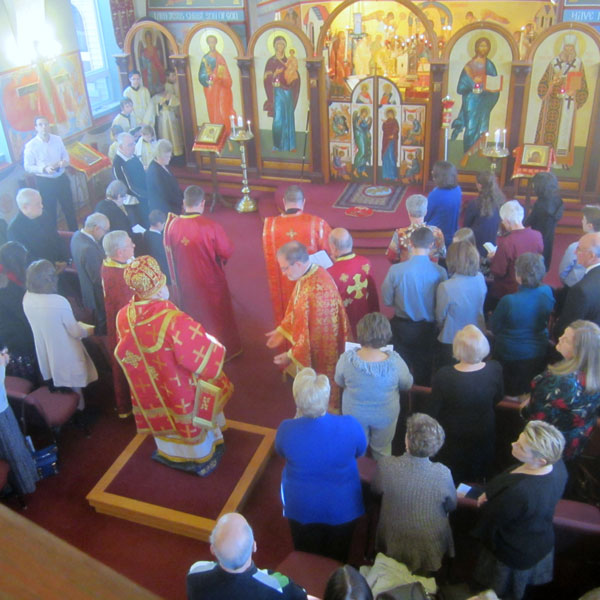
column 482, row 214
column 463, row 398
column 546, row 212
column 515, row 525
column 15, row 331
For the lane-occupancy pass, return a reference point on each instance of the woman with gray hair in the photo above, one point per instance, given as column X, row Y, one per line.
column 417, row 496
column 398, row 250
column 463, row 398
column 517, row 508
column 516, row 240
column 320, row 485
column 520, row 326
column 372, row 378
column 164, row 192
column 57, row 335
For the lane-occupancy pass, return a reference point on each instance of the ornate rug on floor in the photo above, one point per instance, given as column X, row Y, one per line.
column 381, row 198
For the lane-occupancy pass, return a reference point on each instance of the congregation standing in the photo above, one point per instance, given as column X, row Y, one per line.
column 469, row 322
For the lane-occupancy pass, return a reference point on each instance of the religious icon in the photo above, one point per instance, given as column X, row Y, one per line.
column 339, row 121
column 535, row 155
column 563, row 90
column 151, row 60
column 209, row 133
column 411, row 165
column 282, row 95
column 340, row 161
column 361, row 126
column 479, row 86
column 412, row 120
column 215, row 78
column 390, row 131
column 339, row 68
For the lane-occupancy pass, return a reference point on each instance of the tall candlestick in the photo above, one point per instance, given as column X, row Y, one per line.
column 240, row 122
column 249, row 130
column 497, row 137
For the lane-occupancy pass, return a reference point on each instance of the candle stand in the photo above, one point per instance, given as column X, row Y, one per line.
column 496, row 154
column 242, row 136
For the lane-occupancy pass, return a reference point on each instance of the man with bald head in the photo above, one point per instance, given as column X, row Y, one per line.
column 128, row 168
column 294, row 225
column 87, row 256
column 35, row 230
column 352, row 276
column 118, row 248
column 234, row 575
column 583, row 299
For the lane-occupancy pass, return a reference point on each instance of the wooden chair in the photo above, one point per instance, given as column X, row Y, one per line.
column 52, row 409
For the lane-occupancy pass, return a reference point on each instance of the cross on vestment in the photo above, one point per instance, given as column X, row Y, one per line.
column 142, row 386
column 291, row 233
column 199, row 354
column 195, row 331
column 357, row 287
column 176, row 339
column 183, row 405
column 160, row 363
column 176, row 378
column 568, row 100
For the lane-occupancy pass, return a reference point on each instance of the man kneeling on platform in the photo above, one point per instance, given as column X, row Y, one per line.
column 235, row 576
column 174, row 371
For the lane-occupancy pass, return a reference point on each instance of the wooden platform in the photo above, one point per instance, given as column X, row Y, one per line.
column 177, row 521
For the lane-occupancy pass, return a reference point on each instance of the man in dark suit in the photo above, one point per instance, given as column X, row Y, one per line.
column 128, row 168
column 583, row 299
column 87, row 256
column 112, row 207
column 153, row 241
column 34, row 229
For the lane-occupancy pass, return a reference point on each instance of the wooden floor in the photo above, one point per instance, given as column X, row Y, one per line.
column 175, row 521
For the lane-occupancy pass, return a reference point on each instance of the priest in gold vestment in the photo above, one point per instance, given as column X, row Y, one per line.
column 174, row 369
column 315, row 322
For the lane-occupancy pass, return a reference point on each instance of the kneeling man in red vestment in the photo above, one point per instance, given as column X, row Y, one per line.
column 174, row 369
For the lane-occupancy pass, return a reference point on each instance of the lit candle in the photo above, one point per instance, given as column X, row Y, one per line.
column 240, row 122
column 504, row 138
column 487, row 135
column 249, row 130
column 232, row 121
column 497, row 137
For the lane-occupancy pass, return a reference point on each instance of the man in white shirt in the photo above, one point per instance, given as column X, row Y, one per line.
column 139, row 95
column 46, row 157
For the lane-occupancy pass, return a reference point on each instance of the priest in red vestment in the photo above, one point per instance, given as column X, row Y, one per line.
column 174, row 369
column 118, row 248
column 197, row 250
column 315, row 322
column 293, row 225
column 352, row 275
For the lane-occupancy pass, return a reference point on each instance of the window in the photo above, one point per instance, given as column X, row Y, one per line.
column 96, row 40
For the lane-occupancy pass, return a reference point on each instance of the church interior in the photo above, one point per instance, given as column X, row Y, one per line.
column 355, row 102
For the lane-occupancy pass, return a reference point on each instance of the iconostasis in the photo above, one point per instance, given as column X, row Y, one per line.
column 353, row 90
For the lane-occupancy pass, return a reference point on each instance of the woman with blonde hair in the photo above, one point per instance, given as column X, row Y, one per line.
column 463, row 398
column 517, row 508
column 320, row 485
column 459, row 299
column 568, row 393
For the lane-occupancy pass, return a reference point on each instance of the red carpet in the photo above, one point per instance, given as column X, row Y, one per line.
column 320, row 199
column 153, row 558
column 204, row 496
